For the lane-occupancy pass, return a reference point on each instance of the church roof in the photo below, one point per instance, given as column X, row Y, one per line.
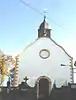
column 51, row 40
column 44, row 25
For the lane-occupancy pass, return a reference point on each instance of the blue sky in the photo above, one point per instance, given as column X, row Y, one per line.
column 19, row 23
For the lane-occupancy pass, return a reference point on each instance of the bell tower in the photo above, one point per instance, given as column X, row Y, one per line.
column 44, row 30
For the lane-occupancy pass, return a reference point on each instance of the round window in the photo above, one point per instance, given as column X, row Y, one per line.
column 44, row 53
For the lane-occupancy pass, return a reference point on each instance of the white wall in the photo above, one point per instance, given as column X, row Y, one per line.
column 32, row 66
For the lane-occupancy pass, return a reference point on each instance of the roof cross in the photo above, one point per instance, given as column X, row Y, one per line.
column 45, row 12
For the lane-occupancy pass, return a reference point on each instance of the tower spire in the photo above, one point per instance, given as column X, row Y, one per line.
column 44, row 30
column 44, row 18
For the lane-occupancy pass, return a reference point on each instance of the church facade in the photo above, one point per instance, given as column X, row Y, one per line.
column 45, row 60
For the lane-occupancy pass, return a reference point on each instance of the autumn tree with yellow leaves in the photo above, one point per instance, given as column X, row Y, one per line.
column 3, row 66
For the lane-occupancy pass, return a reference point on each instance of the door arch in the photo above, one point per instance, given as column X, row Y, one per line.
column 43, row 86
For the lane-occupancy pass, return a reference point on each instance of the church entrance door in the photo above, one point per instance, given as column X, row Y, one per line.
column 43, row 86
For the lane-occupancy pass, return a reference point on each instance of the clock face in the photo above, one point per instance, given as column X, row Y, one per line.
column 44, row 53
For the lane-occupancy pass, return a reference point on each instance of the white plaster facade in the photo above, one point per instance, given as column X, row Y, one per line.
column 33, row 66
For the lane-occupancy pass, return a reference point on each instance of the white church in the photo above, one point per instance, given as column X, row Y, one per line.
column 44, row 59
